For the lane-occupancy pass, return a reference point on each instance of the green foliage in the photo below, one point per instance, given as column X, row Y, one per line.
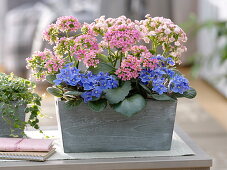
column 118, row 94
column 50, row 78
column 131, row 105
column 55, row 91
column 145, row 88
column 73, row 103
column 98, row 105
column 188, row 94
column 16, row 92
column 162, row 97
column 73, row 93
column 73, row 97
column 102, row 67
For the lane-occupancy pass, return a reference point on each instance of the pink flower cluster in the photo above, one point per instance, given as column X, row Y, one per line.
column 165, row 33
column 101, row 25
column 122, row 37
column 139, row 57
column 68, row 23
column 54, row 64
column 63, row 24
column 149, row 62
column 51, row 33
column 138, row 49
column 44, row 62
column 63, row 45
column 130, row 68
column 85, row 49
column 142, row 52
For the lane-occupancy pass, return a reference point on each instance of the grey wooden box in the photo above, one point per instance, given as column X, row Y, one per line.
column 5, row 128
column 84, row 130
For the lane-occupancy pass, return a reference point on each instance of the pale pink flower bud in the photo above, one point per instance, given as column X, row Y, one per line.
column 177, row 43
column 167, row 31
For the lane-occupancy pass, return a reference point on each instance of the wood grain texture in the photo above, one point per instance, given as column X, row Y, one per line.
column 5, row 128
column 86, row 131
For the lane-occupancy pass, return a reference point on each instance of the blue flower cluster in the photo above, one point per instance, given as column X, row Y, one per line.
column 163, row 79
column 93, row 84
column 179, row 84
column 163, row 61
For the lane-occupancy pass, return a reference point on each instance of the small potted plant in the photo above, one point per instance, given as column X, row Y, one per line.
column 113, row 92
column 17, row 99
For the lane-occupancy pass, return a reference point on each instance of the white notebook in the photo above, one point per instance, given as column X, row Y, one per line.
column 32, row 156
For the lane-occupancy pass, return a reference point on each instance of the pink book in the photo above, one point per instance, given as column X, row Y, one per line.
column 22, row 145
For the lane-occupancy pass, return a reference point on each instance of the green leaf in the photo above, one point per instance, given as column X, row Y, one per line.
column 161, row 97
column 98, row 105
column 152, row 51
column 145, row 88
column 103, row 58
column 73, row 103
column 190, row 93
column 118, row 94
column 54, row 91
column 50, row 78
column 131, row 105
column 102, row 67
column 2, row 105
column 72, row 93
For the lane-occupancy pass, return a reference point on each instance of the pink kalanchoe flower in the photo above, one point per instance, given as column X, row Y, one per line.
column 130, row 68
column 51, row 33
column 54, row 64
column 63, row 45
column 101, row 25
column 68, row 23
column 85, row 49
column 138, row 49
column 146, row 57
column 164, row 32
column 148, row 61
column 122, row 37
column 91, row 60
column 43, row 63
column 89, row 29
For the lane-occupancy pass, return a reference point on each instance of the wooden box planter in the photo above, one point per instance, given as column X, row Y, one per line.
column 108, row 131
column 5, row 127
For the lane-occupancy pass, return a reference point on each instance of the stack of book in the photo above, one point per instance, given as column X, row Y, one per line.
column 26, row 149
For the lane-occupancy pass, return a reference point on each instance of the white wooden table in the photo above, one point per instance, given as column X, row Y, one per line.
column 199, row 161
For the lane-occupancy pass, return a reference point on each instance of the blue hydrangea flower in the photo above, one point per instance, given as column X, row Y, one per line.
column 163, row 61
column 87, row 96
column 112, row 83
column 97, row 92
column 92, row 84
column 179, row 84
column 159, row 87
column 162, row 58
column 163, row 79
column 145, row 76
column 170, row 61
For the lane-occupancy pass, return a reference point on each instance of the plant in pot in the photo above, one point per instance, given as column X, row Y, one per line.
column 115, row 81
column 17, row 99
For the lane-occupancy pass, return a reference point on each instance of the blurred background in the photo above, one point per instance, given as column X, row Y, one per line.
column 205, row 62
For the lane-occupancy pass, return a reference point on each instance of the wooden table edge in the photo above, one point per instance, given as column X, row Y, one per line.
column 199, row 160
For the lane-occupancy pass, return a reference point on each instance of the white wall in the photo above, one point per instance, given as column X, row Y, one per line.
column 2, row 12
column 213, row 70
